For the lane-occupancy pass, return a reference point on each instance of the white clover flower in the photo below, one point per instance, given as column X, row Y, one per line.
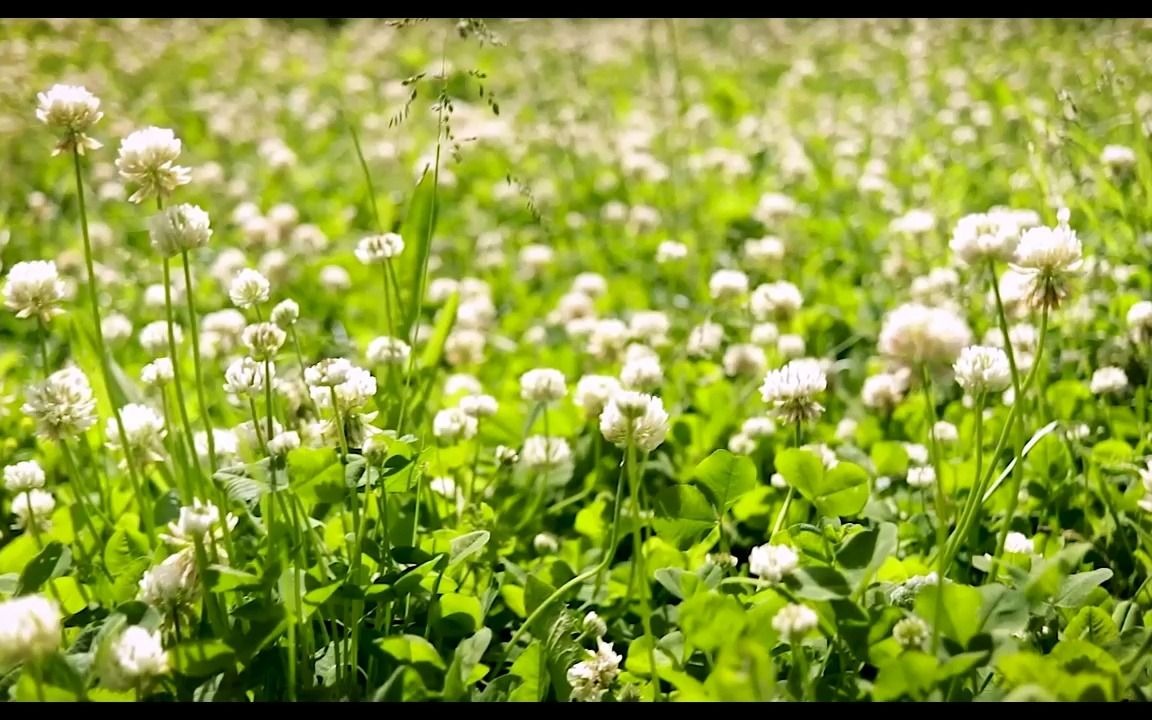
column 158, row 372
column 727, row 285
column 249, row 288
column 116, row 328
column 388, row 351
column 462, row 383
column 982, row 238
column 154, row 338
column 334, row 278
column 34, row 289
column 758, row 427
column 465, row 346
column 763, row 252
column 147, row 158
column 923, row 476
column 479, row 406
column 792, row 390
column 911, row 633
column 913, row 222
column 632, row 417
column 179, row 228
column 506, row 455
column 982, row 369
column 534, row 259
column 33, row 507
column 592, row 677
column 173, row 584
column 134, row 658
column 440, row 289
column 1108, row 381
column 794, row 621
column 772, row 562
column 63, row 406
column 541, row 453
column 846, row 429
column 1118, row 156
column 1015, row 542
column 917, row 334
column 742, row 444
column 286, row 313
column 143, row 429
column 263, row 340
column 358, row 387
column 225, row 442
column 329, row 372
column 607, row 339
column 71, row 109
column 591, row 284
column 744, row 360
column 195, row 522
column 778, row 300
column 1048, row 257
column 705, row 339
column 593, row 392
column 245, row 376
column 945, row 432
column 376, row 249
column 452, row 425
column 1139, row 319
column 765, row 334
column 594, row 625
column 285, row 442
column 642, row 373
column 30, row 629
column 670, row 251
column 542, row 385
column 917, row 453
column 791, row 346
column 21, row 476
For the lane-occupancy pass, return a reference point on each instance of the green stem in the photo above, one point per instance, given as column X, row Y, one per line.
column 941, row 511
column 783, row 515
column 645, row 585
column 193, row 327
column 174, row 356
column 1017, row 470
column 101, row 346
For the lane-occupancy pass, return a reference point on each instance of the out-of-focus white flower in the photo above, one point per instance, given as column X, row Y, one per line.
column 144, row 431
column 705, row 339
column 911, row 633
column 772, row 562
column 884, row 391
column 728, row 285
column 245, row 376
column 22, row 476
column 593, row 392
column 263, row 340
column 794, row 621
column 173, row 584
column 791, row 346
column 1118, row 157
column 453, row 425
column 388, row 351
column 1015, row 542
column 542, row 385
column 594, row 625
column 921, row 477
column 30, row 628
column 158, row 372
column 33, row 507
column 982, row 238
column 982, row 369
column 670, row 251
column 744, row 359
column 541, row 453
column 179, row 228
column 642, row 373
column 916, row 334
column 1109, row 381
column 945, row 432
column 134, row 658
column 285, row 442
column 376, row 249
column 286, row 313
column 479, row 406
column 778, row 300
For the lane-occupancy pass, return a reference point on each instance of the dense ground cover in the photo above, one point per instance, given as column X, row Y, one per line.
column 583, row 360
